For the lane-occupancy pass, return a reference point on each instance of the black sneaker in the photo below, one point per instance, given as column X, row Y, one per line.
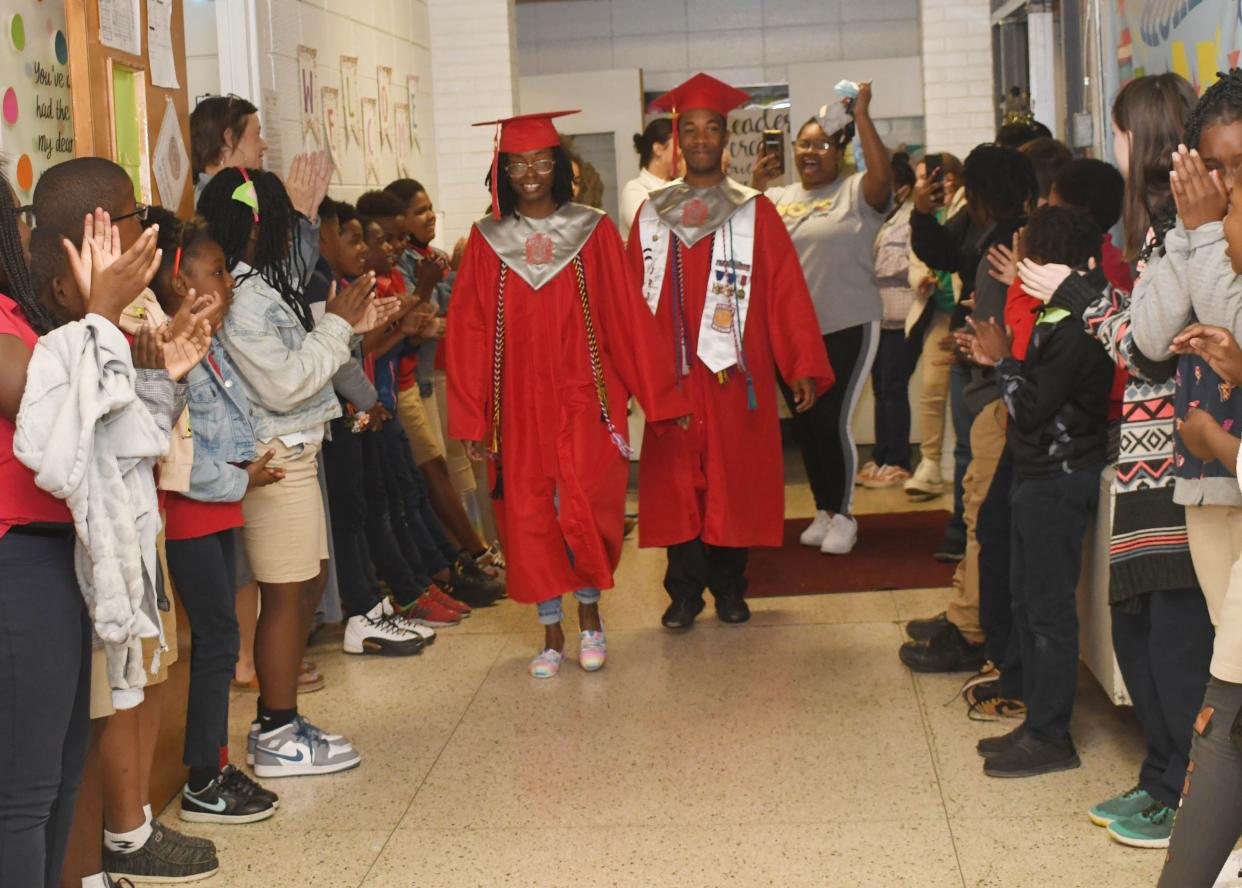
column 166, row 857
column 472, row 585
column 221, row 802
column 924, row 630
column 950, row 550
column 990, row 746
column 1029, row 756
column 238, row 780
column 948, row 651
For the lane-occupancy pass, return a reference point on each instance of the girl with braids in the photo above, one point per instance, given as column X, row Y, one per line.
column 543, row 292
column 199, row 528
column 1162, row 634
column 286, row 363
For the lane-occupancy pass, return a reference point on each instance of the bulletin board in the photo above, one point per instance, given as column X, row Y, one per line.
column 36, row 105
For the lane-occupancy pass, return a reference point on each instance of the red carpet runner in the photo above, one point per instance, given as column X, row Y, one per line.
column 894, row 551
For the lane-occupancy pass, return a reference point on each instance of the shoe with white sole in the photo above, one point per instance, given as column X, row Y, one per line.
column 887, row 476
column 375, row 634
column 926, row 482
column 866, row 473
column 299, row 749
column 841, row 536
column 252, row 739
column 226, row 801
column 814, row 535
column 592, row 650
column 547, row 664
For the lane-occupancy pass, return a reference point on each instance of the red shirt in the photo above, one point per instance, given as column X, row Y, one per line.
column 188, row 519
column 21, row 500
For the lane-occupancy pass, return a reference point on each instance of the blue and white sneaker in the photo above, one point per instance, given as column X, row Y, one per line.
column 252, row 739
column 299, row 749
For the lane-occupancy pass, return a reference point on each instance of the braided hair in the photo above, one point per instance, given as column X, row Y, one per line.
column 13, row 267
column 230, row 222
column 1221, row 103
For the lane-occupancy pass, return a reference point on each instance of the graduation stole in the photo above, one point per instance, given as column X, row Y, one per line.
column 722, row 326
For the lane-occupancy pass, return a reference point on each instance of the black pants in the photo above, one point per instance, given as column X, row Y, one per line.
column 45, row 684
column 410, row 502
column 825, row 432
column 1050, row 517
column 399, row 566
column 347, row 501
column 695, row 566
column 202, row 570
column 1209, row 821
column 1164, row 651
column 890, row 382
column 1000, row 644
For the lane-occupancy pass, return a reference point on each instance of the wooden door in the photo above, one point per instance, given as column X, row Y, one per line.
column 118, row 112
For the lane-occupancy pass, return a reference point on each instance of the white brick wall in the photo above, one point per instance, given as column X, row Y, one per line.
column 958, row 102
column 475, row 78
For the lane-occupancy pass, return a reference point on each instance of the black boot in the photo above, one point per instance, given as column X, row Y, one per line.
column 947, row 651
column 732, row 609
column 925, row 630
column 682, row 613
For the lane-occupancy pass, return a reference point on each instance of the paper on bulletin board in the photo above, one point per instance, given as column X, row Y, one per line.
column 274, row 158
column 171, row 164
column 120, row 25
column 125, row 124
column 163, row 65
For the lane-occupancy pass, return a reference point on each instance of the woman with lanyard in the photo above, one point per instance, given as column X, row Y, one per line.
column 834, row 220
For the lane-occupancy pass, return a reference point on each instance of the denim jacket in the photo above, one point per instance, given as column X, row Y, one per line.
column 220, row 425
column 286, row 372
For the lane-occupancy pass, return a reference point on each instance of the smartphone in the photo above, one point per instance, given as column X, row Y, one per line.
column 774, row 143
column 934, row 164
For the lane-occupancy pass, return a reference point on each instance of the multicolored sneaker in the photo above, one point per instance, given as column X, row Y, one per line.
column 887, row 476
column 225, row 801
column 300, row 749
column 987, row 704
column 592, row 651
column 1150, row 829
column 1129, row 804
column 867, row 473
column 987, row 674
column 429, row 612
column 439, row 596
column 547, row 664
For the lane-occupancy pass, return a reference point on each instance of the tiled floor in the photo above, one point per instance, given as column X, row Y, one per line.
column 795, row 751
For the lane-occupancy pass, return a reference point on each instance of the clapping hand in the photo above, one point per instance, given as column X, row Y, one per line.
column 356, row 307
column 308, row 181
column 1200, row 193
column 107, row 278
column 187, row 339
column 989, row 345
column 1004, row 261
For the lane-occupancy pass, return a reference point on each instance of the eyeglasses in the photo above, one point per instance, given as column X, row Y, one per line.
column 27, row 214
column 518, row 168
column 817, row 145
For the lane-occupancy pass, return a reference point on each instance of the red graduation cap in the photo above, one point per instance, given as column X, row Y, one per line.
column 700, row 91
column 518, row 135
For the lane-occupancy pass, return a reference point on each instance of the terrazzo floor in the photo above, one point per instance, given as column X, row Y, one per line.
column 793, row 751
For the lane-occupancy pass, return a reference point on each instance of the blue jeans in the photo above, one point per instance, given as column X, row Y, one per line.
column 551, row 612
column 963, row 417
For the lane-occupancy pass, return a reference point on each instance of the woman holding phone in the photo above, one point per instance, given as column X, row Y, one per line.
column 834, row 220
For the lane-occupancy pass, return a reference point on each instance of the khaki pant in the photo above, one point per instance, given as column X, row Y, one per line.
column 1215, row 548
column 987, row 442
column 460, row 468
column 934, row 398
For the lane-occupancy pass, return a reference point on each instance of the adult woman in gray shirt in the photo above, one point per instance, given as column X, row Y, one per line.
column 834, row 220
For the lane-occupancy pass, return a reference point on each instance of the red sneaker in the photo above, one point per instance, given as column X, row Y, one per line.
column 429, row 612
column 439, row 596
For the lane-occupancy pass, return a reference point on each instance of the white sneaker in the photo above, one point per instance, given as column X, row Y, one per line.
column 419, row 628
column 252, row 739
column 374, row 633
column 814, row 535
column 299, row 749
column 1231, row 875
column 841, row 536
column 926, row 481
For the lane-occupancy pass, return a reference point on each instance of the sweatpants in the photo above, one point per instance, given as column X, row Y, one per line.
column 695, row 565
column 1209, row 821
column 1164, row 651
column 202, row 570
column 890, row 383
column 987, row 442
column 825, row 433
column 1050, row 519
column 45, row 683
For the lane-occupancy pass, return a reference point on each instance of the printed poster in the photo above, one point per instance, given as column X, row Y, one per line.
column 333, row 127
column 169, row 163
column 307, row 85
column 383, row 95
column 411, row 92
column 401, row 123
column 370, row 141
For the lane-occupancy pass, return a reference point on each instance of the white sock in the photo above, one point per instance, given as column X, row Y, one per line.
column 146, row 812
column 96, row 881
column 127, row 842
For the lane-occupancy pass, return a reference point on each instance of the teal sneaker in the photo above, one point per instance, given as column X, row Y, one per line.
column 1128, row 804
column 1150, row 829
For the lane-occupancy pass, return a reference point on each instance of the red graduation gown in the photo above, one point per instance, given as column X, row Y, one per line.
column 724, row 480
column 553, row 443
